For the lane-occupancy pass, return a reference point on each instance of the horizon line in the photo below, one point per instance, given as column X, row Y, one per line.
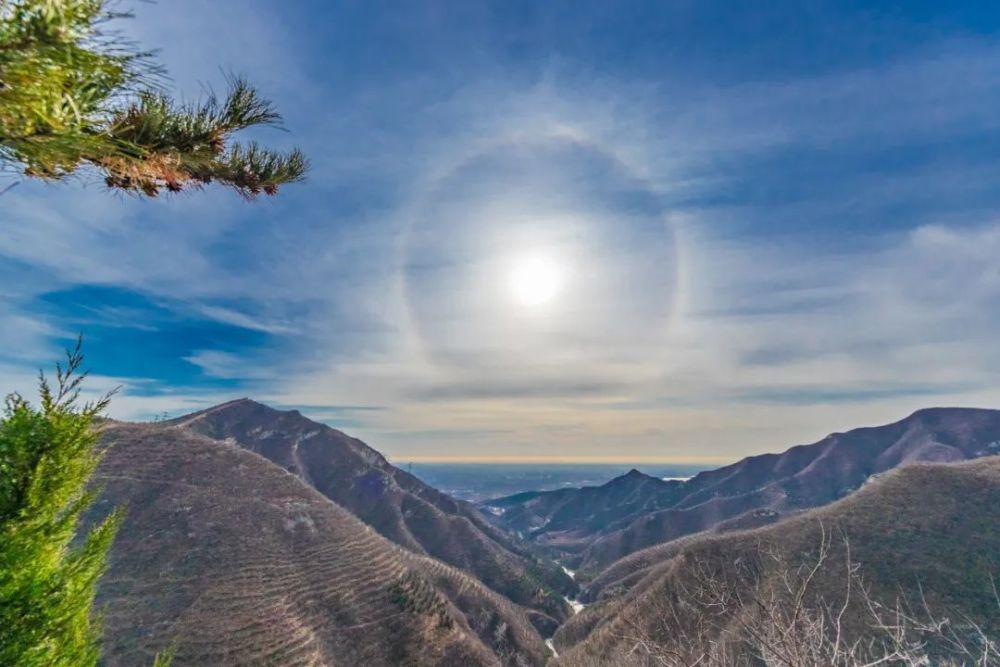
column 458, row 460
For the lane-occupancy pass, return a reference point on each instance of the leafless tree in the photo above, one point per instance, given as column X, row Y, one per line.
column 765, row 611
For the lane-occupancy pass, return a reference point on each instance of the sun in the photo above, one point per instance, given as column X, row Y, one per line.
column 535, row 280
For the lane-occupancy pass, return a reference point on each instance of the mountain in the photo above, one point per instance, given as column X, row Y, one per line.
column 928, row 532
column 393, row 502
column 591, row 528
column 256, row 536
column 243, row 563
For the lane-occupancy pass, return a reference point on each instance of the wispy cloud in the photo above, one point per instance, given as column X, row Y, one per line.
column 749, row 261
column 243, row 320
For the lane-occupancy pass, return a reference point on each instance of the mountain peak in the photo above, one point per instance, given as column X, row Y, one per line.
column 246, row 400
column 399, row 506
column 237, row 406
column 633, row 476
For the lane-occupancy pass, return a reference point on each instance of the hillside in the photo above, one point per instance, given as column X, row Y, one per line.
column 929, row 528
column 244, row 564
column 393, row 502
column 256, row 536
column 593, row 527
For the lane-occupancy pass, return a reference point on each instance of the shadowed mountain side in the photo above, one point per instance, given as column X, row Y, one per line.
column 393, row 502
column 596, row 526
column 922, row 527
column 243, row 564
column 570, row 515
column 626, row 571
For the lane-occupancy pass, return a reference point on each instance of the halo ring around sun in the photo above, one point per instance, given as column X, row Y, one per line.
column 547, row 251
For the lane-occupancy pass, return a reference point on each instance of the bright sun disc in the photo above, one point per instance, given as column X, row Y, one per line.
column 535, row 281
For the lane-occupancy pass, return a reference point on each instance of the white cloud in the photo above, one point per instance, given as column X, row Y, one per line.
column 741, row 342
column 243, row 320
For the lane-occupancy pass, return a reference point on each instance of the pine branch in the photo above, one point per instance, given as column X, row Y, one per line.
column 68, row 99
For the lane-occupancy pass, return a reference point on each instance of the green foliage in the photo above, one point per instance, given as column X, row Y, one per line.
column 72, row 96
column 164, row 658
column 47, row 584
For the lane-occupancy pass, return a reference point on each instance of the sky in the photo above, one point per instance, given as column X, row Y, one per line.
column 561, row 231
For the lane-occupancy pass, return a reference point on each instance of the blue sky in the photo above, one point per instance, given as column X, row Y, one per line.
column 757, row 223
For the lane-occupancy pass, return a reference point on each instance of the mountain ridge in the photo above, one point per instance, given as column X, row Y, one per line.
column 241, row 562
column 395, row 503
column 461, row 589
column 592, row 527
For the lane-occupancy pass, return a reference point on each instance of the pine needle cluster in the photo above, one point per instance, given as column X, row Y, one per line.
column 74, row 95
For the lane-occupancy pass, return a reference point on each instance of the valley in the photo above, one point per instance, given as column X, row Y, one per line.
column 257, row 536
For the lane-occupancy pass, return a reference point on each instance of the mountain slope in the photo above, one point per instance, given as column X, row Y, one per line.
column 931, row 528
column 244, row 564
column 393, row 502
column 599, row 525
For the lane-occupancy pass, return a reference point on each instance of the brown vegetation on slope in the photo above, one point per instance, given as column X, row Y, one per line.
column 241, row 563
column 923, row 532
column 393, row 502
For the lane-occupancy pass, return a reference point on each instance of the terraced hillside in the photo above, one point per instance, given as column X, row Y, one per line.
column 927, row 530
column 242, row 563
column 393, row 502
column 593, row 527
